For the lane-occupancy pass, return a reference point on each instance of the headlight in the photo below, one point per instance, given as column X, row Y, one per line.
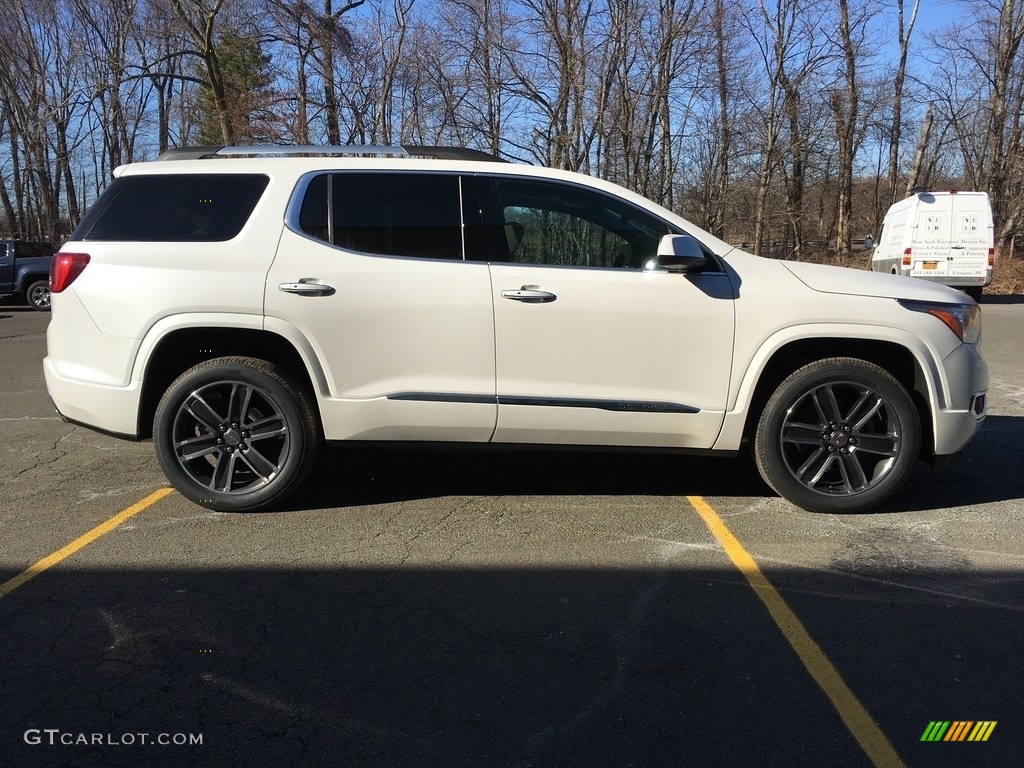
column 962, row 319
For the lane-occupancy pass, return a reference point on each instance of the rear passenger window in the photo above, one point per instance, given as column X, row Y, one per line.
column 173, row 208
column 391, row 214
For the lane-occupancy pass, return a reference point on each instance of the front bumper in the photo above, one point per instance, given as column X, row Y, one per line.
column 958, row 419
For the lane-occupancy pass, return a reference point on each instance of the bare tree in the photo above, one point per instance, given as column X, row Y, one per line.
column 778, row 36
column 200, row 20
column 1006, row 153
column 112, row 26
column 794, row 77
column 904, row 29
column 389, row 38
column 160, row 46
column 39, row 90
column 482, row 30
column 922, row 146
column 553, row 77
column 979, row 84
column 715, row 214
column 738, row 115
column 329, row 40
column 845, row 102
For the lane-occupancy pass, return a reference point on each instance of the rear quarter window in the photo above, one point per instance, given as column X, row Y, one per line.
column 173, row 208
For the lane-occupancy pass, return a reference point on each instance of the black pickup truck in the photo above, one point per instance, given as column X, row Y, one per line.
column 25, row 271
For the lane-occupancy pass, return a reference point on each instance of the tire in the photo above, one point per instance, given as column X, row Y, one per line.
column 207, row 452
column 974, row 292
column 838, row 435
column 37, row 295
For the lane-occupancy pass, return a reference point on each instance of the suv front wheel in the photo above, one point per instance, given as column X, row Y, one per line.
column 838, row 435
column 235, row 434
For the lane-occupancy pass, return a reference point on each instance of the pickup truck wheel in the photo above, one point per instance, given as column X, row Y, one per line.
column 235, row 434
column 38, row 295
column 839, row 435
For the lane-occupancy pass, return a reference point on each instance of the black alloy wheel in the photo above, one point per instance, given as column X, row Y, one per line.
column 235, row 434
column 838, row 435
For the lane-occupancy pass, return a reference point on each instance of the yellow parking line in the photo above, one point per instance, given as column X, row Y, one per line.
column 82, row 541
column 858, row 721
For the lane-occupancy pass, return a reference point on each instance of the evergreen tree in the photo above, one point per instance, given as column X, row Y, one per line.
column 248, row 93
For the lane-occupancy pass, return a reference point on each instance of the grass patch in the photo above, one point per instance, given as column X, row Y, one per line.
column 1008, row 276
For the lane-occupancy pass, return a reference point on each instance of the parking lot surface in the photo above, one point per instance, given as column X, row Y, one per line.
column 427, row 608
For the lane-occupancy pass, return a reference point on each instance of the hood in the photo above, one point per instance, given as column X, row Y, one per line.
column 857, row 282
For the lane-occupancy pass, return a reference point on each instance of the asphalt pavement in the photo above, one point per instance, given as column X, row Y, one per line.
column 428, row 608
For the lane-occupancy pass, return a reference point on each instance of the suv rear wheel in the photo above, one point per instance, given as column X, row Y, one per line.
column 235, row 434
column 839, row 435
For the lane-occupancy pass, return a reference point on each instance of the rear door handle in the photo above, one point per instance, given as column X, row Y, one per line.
column 307, row 287
column 529, row 294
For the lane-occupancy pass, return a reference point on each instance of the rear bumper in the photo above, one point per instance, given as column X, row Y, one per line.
column 956, row 282
column 101, row 407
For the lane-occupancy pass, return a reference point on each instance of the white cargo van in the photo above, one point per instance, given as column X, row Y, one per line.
column 945, row 237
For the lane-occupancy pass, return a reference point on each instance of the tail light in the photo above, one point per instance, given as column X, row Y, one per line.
column 65, row 268
column 907, row 261
column 991, row 257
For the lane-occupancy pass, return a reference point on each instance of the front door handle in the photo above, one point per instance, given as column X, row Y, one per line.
column 529, row 294
column 307, row 287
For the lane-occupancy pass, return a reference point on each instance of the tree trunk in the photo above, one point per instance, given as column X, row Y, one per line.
column 720, row 185
column 896, row 130
column 922, row 145
column 846, row 106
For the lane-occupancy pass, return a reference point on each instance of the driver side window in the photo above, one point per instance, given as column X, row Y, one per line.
column 568, row 226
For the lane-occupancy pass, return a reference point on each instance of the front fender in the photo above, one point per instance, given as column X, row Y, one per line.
column 927, row 357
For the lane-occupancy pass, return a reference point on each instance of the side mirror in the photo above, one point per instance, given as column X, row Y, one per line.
column 677, row 253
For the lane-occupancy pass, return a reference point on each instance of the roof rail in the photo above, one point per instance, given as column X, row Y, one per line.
column 348, row 150
column 279, row 150
column 453, row 153
column 187, row 153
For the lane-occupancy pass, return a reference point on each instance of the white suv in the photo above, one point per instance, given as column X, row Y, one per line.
column 241, row 305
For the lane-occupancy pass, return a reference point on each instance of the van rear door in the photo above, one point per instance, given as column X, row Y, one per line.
column 931, row 246
column 971, row 239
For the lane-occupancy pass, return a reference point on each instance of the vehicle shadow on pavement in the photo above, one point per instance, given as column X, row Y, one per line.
column 350, row 476
column 988, row 471
column 675, row 665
